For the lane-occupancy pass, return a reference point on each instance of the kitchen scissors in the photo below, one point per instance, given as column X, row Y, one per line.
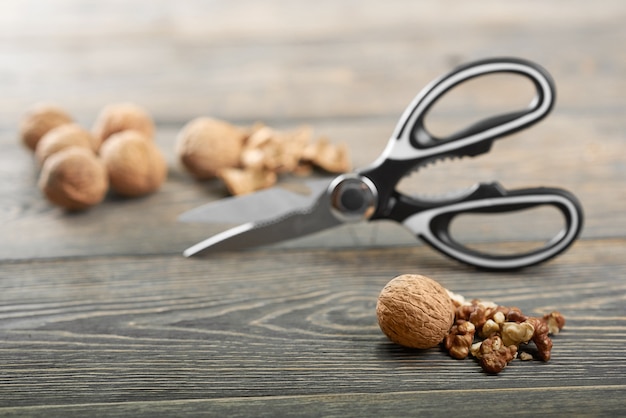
column 370, row 193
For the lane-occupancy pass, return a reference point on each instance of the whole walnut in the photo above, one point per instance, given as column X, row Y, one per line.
column 134, row 163
column 74, row 178
column 40, row 119
column 61, row 137
column 205, row 146
column 415, row 311
column 118, row 117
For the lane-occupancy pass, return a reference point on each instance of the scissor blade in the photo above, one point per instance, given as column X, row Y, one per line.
column 262, row 205
column 290, row 225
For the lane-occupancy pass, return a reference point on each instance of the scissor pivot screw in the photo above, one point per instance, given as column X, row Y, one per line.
column 353, row 198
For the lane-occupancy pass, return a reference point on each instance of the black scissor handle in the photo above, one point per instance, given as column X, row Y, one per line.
column 433, row 224
column 411, row 145
column 412, row 142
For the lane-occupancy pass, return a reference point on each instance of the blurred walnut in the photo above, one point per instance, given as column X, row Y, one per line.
column 40, row 119
column 120, row 117
column 269, row 149
column 206, row 146
column 135, row 165
column 61, row 137
column 74, row 178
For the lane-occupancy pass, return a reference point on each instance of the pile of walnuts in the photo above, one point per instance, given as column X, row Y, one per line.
column 250, row 159
column 495, row 334
column 79, row 166
column 415, row 311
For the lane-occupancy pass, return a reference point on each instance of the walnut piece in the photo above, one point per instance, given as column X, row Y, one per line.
column 242, row 181
column 414, row 311
column 541, row 338
column 516, row 334
column 327, row 156
column 269, row 149
column 555, row 322
column 494, row 355
column 459, row 340
column 40, row 119
column 74, row 178
column 135, row 165
column 504, row 328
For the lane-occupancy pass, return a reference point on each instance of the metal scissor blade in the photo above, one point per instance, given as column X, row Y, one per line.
column 293, row 224
column 255, row 207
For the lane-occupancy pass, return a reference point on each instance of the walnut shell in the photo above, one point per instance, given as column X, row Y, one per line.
column 415, row 311
column 74, row 178
column 118, row 117
column 242, row 181
column 40, row 119
column 205, row 146
column 61, row 137
column 327, row 156
column 135, row 165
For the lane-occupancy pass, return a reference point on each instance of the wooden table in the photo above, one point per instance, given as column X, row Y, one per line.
column 101, row 315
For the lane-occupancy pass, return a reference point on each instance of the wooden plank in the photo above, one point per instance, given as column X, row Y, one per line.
column 289, row 323
column 287, row 74
column 559, row 401
column 181, row 61
column 556, row 153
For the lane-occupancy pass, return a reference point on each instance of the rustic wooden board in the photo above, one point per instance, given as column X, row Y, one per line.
column 100, row 312
column 290, row 323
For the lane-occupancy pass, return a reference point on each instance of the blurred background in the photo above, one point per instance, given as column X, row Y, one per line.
column 346, row 67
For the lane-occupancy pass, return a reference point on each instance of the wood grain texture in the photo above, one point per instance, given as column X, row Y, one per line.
column 101, row 315
column 289, row 323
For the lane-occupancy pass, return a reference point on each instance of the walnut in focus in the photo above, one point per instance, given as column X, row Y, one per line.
column 205, row 146
column 501, row 333
column 414, row 311
column 494, row 355
column 460, row 339
column 118, row 117
column 61, row 137
column 134, row 163
column 74, row 178
column 40, row 119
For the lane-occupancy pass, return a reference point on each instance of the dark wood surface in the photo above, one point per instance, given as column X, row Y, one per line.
column 101, row 315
